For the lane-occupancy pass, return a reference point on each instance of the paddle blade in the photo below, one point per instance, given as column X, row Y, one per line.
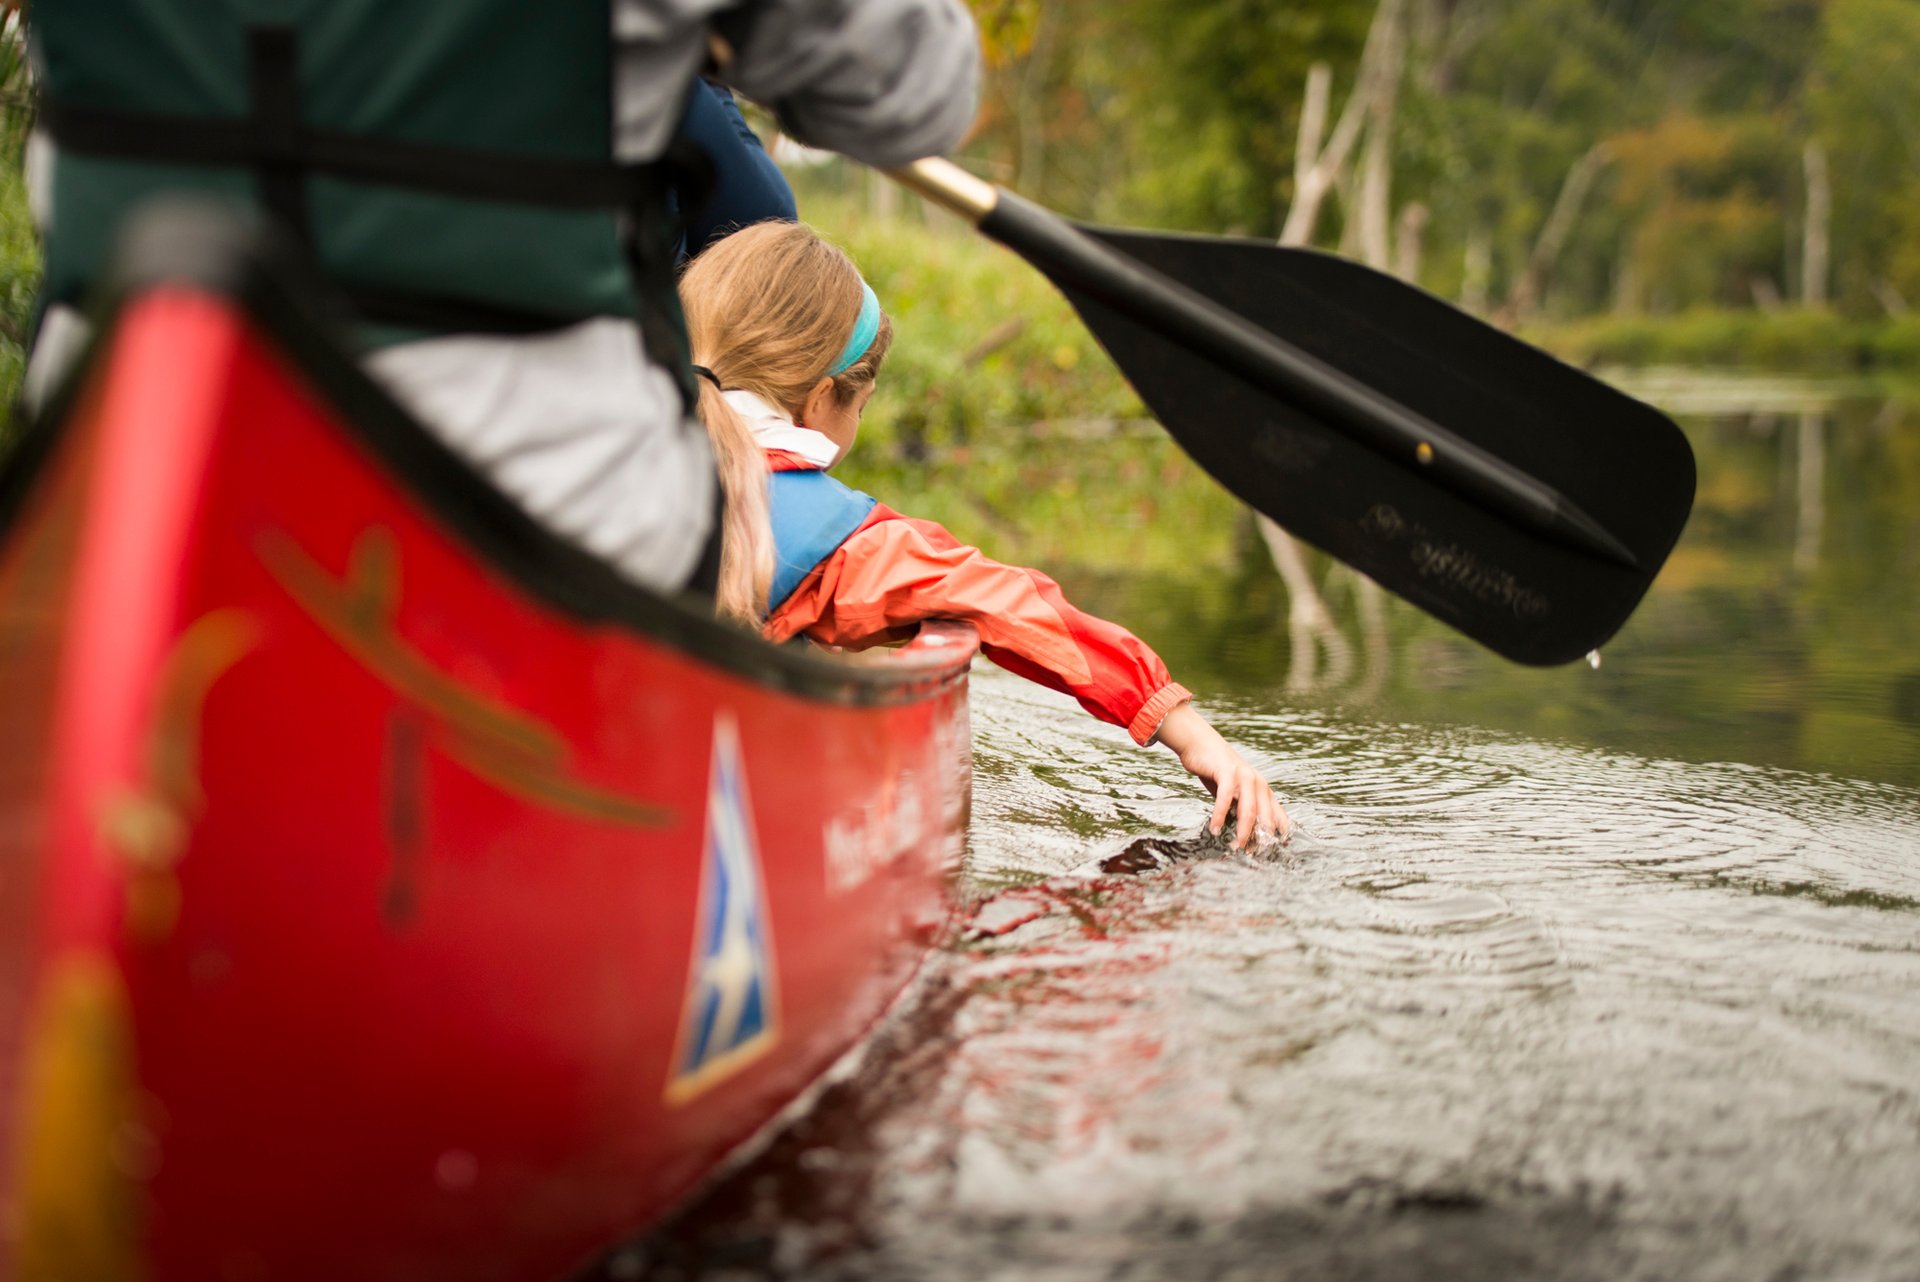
column 1524, row 594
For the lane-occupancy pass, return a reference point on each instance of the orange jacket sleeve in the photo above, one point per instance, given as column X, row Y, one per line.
column 895, row 571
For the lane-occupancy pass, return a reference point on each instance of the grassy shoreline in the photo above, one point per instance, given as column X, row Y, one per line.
column 1789, row 340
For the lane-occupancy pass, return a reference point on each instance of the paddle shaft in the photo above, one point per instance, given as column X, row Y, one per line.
column 1077, row 262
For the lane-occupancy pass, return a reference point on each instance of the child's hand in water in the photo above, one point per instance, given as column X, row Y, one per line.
column 1212, row 760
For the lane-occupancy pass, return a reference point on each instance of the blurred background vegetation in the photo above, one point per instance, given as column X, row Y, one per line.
column 1540, row 161
column 19, row 252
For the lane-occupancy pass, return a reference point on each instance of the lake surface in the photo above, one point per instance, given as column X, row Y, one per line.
column 1574, row 974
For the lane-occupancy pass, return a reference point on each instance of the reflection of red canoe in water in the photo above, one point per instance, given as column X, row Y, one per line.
column 386, row 891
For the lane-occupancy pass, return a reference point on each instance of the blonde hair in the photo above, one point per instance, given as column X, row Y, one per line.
column 768, row 311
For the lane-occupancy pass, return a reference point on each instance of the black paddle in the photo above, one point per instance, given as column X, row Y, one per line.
column 1512, row 496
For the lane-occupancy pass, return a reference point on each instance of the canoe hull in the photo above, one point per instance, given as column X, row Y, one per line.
column 370, row 914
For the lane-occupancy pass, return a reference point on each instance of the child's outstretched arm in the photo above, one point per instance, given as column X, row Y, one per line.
column 895, row 571
column 1213, row 761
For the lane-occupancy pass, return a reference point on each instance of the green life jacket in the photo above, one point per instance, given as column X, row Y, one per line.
column 447, row 164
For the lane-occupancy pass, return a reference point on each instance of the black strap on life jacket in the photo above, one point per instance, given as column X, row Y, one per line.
column 237, row 142
column 273, row 92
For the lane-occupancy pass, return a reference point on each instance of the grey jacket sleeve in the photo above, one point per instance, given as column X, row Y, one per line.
column 884, row 81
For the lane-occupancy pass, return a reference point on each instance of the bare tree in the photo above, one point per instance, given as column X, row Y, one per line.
column 1318, row 170
column 1816, row 243
column 1409, row 240
column 1476, row 275
column 1527, row 291
column 1811, row 510
column 1376, row 165
column 1030, row 106
column 1310, row 625
column 1888, row 297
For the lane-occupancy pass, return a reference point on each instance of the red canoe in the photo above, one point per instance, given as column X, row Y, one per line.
column 387, row 891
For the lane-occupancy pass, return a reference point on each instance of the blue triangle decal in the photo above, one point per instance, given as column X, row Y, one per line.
column 730, row 1016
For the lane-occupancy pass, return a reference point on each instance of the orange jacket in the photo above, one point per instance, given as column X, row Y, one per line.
column 894, row 571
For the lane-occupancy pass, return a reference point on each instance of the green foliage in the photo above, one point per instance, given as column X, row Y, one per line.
column 19, row 257
column 1162, row 111
column 19, row 279
column 1007, row 28
column 1792, row 339
column 1693, row 188
column 1218, row 117
column 1866, row 100
column 16, row 85
column 982, row 342
column 1898, row 343
column 1184, row 113
column 1124, row 501
column 19, row 246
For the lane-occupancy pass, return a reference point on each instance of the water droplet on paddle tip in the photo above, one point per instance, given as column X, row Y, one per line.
column 1593, row 660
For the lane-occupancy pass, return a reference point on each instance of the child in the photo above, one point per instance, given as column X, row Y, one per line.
column 787, row 340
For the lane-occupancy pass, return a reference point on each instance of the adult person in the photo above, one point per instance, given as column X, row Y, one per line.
column 486, row 182
column 740, row 185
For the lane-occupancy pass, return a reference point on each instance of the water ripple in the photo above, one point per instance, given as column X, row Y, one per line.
column 1505, row 1008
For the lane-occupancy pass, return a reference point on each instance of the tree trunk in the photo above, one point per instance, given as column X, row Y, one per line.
column 1314, row 103
column 1348, row 191
column 1376, row 196
column 1310, row 625
column 1376, row 168
column 1476, row 272
column 1813, row 258
column 1629, row 288
column 883, row 197
column 1030, row 108
column 1888, row 297
column 1812, row 507
column 1409, row 239
column 1532, row 284
column 1317, row 169
column 1372, row 606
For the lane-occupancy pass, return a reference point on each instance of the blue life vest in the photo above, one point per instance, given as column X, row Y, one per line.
column 812, row 516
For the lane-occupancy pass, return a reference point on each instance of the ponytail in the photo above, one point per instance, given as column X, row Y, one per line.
column 746, row 539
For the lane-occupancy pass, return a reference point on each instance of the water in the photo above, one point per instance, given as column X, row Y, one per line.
column 1582, row 974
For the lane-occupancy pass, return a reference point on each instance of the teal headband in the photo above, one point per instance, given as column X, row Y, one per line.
column 865, row 327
